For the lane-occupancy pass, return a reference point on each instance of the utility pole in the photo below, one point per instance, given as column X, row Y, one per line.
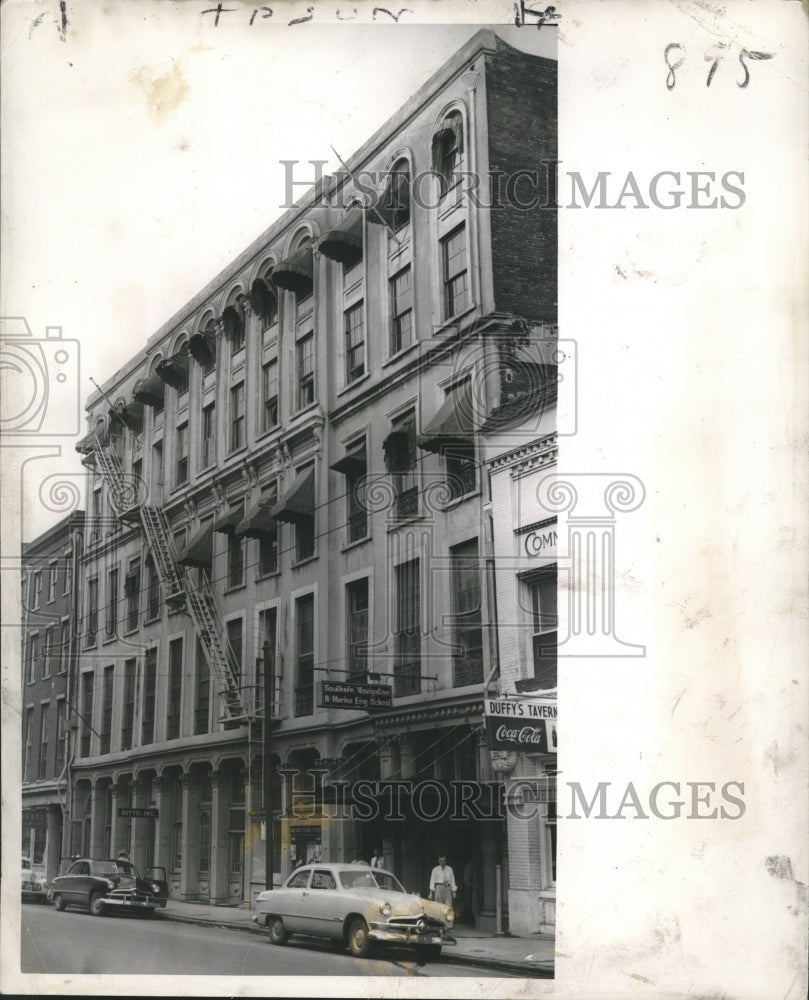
column 269, row 691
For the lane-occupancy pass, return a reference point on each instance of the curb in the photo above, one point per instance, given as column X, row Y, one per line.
column 528, row 970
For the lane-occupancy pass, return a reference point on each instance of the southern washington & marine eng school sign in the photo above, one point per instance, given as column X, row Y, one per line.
column 524, row 724
column 368, row 696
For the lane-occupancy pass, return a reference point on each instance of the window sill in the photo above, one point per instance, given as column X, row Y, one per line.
column 303, row 562
column 357, row 541
column 151, row 621
column 233, row 588
column 268, row 576
column 129, row 631
column 452, row 322
column 400, row 354
column 452, row 504
column 304, row 410
column 353, row 385
column 275, row 429
column 400, row 522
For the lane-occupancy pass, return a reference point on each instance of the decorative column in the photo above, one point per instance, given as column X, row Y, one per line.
column 162, row 824
column 333, row 833
column 96, row 822
column 116, row 826
column 188, row 875
column 389, row 762
column 139, row 826
column 220, row 855
column 591, row 501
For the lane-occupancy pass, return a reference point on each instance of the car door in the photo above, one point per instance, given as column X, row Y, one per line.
column 322, row 905
column 76, row 888
column 288, row 902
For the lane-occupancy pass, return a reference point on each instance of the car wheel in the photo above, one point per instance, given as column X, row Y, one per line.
column 59, row 903
column 358, row 940
column 429, row 952
column 97, row 904
column 278, row 934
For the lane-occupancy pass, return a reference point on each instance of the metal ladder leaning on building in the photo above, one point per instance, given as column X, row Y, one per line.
column 179, row 586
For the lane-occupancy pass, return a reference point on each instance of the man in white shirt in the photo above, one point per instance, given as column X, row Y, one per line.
column 376, row 860
column 442, row 882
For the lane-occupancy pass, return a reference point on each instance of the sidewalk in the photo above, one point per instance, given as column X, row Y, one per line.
column 531, row 957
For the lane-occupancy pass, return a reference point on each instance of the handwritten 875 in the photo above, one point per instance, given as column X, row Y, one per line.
column 714, row 55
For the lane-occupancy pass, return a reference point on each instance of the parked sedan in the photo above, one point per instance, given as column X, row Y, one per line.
column 103, row 885
column 34, row 883
column 354, row 906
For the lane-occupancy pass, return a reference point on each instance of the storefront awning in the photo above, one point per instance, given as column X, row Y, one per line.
column 228, row 522
column 198, row 551
column 344, row 243
column 130, row 416
column 150, row 391
column 87, row 444
column 296, row 274
column 299, row 500
column 392, row 207
column 258, row 520
column 174, row 370
column 451, row 131
column 263, row 300
column 353, row 463
column 202, row 347
column 453, row 422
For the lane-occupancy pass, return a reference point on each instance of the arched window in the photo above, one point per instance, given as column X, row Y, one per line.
column 264, row 301
column 447, row 149
column 233, row 322
column 202, row 347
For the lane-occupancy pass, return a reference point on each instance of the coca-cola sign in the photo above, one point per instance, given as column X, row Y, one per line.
column 527, row 725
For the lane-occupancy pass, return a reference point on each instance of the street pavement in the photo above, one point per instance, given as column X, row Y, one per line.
column 75, row 943
column 527, row 957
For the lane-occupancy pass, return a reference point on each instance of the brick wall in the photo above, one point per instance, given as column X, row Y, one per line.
column 522, row 113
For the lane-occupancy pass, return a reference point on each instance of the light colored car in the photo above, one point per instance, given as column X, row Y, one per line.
column 33, row 881
column 354, row 906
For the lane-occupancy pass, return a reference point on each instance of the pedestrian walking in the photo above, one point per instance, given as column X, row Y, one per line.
column 376, row 858
column 442, row 882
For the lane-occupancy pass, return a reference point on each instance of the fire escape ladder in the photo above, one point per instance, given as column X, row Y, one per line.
column 179, row 586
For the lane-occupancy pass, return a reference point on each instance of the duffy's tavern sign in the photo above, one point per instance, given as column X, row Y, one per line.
column 524, row 724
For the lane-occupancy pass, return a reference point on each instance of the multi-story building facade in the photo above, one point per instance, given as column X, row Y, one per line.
column 50, row 588
column 287, row 509
column 520, row 446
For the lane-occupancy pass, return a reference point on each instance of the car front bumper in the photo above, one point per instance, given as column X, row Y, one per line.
column 398, row 934
column 128, row 902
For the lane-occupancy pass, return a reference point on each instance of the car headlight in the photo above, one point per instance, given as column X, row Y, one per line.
column 421, row 926
column 155, row 887
column 110, row 884
column 385, row 909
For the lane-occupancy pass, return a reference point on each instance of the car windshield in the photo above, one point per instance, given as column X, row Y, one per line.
column 369, row 879
column 125, row 868
column 105, row 868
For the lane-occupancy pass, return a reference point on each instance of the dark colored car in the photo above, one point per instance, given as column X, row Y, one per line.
column 105, row 885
